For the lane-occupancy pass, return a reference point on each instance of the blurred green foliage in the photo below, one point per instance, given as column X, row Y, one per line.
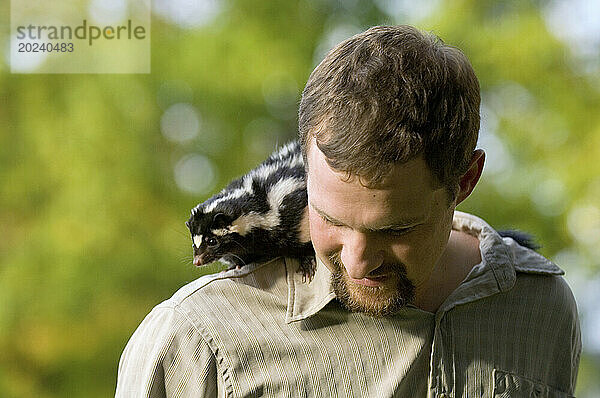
column 92, row 219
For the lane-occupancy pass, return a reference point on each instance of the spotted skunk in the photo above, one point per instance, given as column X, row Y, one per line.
column 263, row 215
column 259, row 216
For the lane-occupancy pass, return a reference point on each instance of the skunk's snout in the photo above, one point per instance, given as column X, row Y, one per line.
column 198, row 260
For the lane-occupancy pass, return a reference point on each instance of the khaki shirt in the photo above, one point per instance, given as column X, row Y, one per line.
column 509, row 330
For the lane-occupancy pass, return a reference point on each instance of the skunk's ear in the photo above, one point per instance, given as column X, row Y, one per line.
column 220, row 221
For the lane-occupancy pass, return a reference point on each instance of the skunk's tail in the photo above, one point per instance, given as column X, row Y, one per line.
column 524, row 239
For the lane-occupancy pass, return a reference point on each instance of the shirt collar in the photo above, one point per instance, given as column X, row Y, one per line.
column 501, row 257
column 306, row 299
column 501, row 260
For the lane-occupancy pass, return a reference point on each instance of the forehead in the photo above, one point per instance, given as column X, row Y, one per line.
column 408, row 190
column 200, row 220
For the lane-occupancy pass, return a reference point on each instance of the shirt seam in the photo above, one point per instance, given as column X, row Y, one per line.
column 220, row 360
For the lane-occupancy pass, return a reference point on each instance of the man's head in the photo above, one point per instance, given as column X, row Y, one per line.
column 390, row 94
column 388, row 125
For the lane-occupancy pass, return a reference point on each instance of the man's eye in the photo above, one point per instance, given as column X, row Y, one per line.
column 332, row 223
column 400, row 231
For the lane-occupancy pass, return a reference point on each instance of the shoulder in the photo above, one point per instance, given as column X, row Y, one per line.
column 540, row 295
column 540, row 282
column 527, row 281
column 544, row 294
column 219, row 300
column 540, row 278
column 259, row 276
column 166, row 348
column 212, row 302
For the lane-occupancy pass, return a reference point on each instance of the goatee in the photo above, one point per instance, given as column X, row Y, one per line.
column 393, row 295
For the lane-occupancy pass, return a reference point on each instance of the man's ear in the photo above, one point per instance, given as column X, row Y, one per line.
column 468, row 180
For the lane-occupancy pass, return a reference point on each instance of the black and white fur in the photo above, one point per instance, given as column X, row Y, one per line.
column 259, row 216
column 264, row 215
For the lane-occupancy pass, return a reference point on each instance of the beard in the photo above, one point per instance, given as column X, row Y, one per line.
column 393, row 295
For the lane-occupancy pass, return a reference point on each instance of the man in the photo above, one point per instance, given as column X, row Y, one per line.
column 409, row 298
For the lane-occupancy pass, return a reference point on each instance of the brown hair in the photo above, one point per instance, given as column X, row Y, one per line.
column 387, row 95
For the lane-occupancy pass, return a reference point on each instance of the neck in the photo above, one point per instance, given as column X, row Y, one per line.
column 461, row 255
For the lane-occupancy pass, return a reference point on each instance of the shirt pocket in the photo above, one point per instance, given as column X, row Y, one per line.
column 510, row 385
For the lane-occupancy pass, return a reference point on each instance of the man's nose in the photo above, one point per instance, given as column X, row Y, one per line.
column 361, row 255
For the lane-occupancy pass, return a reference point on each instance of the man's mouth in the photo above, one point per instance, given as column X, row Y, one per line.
column 373, row 281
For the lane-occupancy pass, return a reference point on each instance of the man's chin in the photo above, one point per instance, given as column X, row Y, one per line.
column 383, row 300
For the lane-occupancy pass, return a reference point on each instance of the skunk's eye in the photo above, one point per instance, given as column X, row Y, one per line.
column 212, row 241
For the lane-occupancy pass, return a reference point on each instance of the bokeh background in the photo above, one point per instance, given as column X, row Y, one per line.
column 98, row 172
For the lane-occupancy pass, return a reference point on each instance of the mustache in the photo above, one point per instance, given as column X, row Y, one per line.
column 383, row 269
column 378, row 301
